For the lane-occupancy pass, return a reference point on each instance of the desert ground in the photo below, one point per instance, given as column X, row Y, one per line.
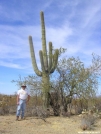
column 51, row 125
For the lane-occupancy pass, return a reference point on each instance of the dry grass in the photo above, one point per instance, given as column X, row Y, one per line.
column 51, row 125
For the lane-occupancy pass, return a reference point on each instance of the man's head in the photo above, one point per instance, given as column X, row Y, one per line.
column 23, row 86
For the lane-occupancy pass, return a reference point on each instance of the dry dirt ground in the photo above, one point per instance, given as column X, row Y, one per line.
column 51, row 125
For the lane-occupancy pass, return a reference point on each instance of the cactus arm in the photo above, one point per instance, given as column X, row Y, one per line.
column 55, row 60
column 41, row 60
column 50, row 56
column 39, row 73
column 44, row 49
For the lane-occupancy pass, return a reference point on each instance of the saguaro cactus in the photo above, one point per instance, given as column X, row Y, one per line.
column 48, row 62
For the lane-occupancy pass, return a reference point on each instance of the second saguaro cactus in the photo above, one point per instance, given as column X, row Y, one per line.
column 48, row 61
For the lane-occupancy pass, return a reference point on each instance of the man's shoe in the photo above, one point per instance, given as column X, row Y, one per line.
column 17, row 118
column 22, row 118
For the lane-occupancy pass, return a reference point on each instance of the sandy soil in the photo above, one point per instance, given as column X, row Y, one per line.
column 52, row 125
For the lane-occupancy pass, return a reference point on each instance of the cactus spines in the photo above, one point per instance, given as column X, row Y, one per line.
column 48, row 61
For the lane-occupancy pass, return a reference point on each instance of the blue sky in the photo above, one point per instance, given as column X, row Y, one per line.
column 72, row 24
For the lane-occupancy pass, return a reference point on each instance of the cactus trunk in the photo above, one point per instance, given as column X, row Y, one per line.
column 45, row 89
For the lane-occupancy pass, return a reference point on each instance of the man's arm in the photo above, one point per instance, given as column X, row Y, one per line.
column 17, row 99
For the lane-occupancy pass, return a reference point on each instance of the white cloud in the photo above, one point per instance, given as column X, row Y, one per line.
column 91, row 16
column 14, row 41
column 11, row 65
column 58, row 35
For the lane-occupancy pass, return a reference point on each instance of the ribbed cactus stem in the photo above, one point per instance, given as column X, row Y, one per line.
column 55, row 60
column 41, row 61
column 45, row 89
column 44, row 49
column 39, row 73
column 50, row 56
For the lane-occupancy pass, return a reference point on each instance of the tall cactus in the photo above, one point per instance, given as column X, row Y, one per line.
column 48, row 62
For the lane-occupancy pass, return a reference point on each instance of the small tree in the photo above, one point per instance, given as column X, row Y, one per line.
column 74, row 79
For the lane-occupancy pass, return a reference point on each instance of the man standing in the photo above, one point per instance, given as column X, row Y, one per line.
column 23, row 97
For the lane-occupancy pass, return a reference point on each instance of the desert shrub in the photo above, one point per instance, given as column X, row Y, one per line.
column 37, row 111
column 87, row 120
column 6, row 103
column 35, row 101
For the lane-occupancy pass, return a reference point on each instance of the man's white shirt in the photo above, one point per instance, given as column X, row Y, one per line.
column 23, row 94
